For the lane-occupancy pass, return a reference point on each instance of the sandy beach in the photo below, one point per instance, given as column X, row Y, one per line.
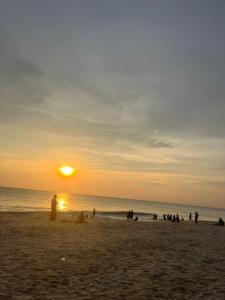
column 109, row 259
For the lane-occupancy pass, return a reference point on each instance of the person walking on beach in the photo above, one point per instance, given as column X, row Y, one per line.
column 196, row 217
column 53, row 208
column 190, row 217
column 94, row 212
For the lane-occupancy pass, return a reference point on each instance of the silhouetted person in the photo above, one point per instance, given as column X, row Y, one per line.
column 182, row 219
column 174, row 218
column 196, row 217
column 190, row 217
column 164, row 217
column 53, row 208
column 131, row 214
column 128, row 215
column 220, row 222
column 169, row 217
column 178, row 219
column 155, row 216
column 136, row 218
column 94, row 212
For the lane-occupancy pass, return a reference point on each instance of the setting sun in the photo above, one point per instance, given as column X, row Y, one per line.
column 67, row 171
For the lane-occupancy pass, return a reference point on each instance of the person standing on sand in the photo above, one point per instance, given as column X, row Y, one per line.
column 196, row 217
column 53, row 208
column 131, row 214
column 94, row 212
column 190, row 217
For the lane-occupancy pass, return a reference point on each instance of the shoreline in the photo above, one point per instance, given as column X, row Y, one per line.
column 30, row 200
column 108, row 215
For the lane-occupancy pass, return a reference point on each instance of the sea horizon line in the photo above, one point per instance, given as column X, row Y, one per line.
column 115, row 197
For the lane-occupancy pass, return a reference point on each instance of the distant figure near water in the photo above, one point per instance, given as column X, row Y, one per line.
column 94, row 212
column 220, row 222
column 190, row 217
column 196, row 217
column 169, row 217
column 130, row 215
column 154, row 216
column 53, row 208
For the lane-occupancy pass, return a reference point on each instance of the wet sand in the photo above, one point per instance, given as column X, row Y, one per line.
column 109, row 259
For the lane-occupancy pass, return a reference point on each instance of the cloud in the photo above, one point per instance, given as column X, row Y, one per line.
column 211, row 183
column 21, row 81
column 160, row 143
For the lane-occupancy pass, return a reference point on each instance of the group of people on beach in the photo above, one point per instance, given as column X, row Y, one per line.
column 173, row 218
column 176, row 218
column 130, row 215
column 53, row 213
column 196, row 217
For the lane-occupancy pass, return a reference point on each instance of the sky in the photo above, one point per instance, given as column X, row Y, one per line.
column 130, row 93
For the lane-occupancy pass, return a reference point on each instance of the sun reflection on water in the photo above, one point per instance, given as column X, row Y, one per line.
column 62, row 202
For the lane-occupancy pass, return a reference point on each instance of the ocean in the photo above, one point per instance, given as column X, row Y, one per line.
column 18, row 200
